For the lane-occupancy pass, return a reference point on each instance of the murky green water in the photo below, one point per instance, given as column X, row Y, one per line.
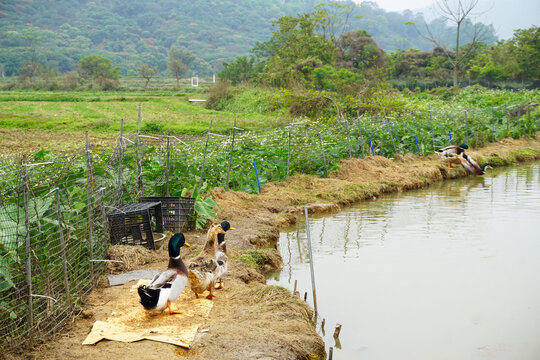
column 449, row 272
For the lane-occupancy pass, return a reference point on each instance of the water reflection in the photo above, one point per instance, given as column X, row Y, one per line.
column 448, row 272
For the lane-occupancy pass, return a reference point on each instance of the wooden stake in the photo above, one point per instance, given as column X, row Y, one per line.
column 337, row 330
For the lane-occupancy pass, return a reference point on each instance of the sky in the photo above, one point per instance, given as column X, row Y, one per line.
column 505, row 15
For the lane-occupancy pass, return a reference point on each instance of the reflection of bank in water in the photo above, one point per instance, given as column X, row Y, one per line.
column 409, row 271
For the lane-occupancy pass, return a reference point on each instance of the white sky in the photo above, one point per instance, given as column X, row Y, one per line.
column 505, row 15
column 398, row 5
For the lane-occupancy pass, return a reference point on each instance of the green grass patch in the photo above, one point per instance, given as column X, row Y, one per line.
column 524, row 155
column 254, row 258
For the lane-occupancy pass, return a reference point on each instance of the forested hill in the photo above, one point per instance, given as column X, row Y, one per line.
column 57, row 33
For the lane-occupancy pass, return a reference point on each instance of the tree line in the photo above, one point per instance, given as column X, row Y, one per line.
column 58, row 33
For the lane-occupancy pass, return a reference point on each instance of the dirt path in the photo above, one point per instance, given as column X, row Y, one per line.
column 251, row 320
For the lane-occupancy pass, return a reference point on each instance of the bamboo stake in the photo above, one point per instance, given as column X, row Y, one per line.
column 324, row 157
column 432, row 131
column 390, row 131
column 168, row 163
column 348, row 135
column 311, row 261
column 361, row 138
column 231, row 157
column 337, row 330
column 105, row 222
column 89, row 200
column 289, row 148
column 139, row 159
column 204, row 155
column 28, row 254
column 121, row 147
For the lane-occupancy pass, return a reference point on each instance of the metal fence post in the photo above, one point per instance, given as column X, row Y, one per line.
column 231, row 157
column 311, row 261
column 28, row 254
column 89, row 198
column 63, row 247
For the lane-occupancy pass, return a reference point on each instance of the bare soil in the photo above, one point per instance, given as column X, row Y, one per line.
column 251, row 320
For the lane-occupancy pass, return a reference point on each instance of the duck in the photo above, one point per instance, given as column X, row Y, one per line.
column 472, row 166
column 221, row 254
column 453, row 149
column 204, row 268
column 451, row 159
column 452, row 154
column 167, row 285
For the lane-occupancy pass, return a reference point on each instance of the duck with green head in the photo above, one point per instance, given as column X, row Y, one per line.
column 167, row 285
column 472, row 167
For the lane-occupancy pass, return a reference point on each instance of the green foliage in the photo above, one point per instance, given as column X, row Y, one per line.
column 240, row 70
column 100, row 70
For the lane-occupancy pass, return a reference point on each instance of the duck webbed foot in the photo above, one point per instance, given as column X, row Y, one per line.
column 219, row 284
column 171, row 311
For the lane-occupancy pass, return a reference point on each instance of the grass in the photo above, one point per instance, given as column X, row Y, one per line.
column 103, row 111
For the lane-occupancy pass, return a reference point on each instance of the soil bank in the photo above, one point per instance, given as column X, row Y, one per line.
column 251, row 320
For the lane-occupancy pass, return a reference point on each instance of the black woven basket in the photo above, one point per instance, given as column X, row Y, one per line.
column 178, row 212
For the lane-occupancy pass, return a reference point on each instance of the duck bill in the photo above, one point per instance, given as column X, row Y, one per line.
column 231, row 228
column 186, row 245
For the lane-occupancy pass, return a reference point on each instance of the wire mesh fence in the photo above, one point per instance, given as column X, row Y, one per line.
column 54, row 228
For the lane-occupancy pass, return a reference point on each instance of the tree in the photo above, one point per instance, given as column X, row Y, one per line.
column 358, row 50
column 457, row 12
column 29, row 71
column 99, row 69
column 525, row 45
column 242, row 69
column 147, row 72
column 296, row 40
column 179, row 62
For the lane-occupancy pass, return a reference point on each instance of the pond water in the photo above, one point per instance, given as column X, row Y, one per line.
column 447, row 272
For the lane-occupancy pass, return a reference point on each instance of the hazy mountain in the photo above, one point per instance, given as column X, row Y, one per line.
column 57, row 33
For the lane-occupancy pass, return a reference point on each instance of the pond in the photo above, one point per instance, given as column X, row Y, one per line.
column 447, row 272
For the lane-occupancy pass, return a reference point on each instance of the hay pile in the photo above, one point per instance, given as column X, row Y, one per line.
column 132, row 257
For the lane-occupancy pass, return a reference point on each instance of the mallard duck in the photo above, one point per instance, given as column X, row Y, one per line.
column 472, row 166
column 451, row 158
column 167, row 285
column 221, row 254
column 203, row 269
column 451, row 154
column 453, row 149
